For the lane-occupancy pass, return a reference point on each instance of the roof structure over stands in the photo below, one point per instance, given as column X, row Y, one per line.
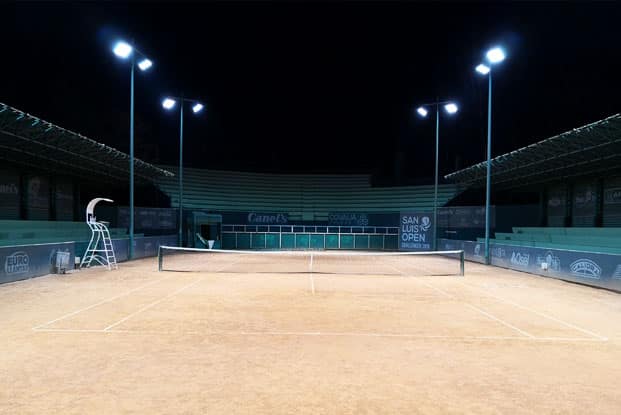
column 593, row 149
column 30, row 141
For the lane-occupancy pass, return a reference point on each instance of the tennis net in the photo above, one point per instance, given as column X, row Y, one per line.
column 320, row 262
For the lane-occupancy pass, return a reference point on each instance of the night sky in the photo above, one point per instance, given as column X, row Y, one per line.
column 315, row 87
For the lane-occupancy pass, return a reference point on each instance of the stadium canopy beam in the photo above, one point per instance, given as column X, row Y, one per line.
column 22, row 133
column 593, row 148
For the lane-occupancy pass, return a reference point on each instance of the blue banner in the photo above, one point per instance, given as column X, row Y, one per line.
column 348, row 219
column 590, row 268
column 27, row 261
column 416, row 231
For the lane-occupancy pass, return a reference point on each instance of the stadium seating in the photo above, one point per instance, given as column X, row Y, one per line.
column 606, row 240
column 26, row 232
column 304, row 197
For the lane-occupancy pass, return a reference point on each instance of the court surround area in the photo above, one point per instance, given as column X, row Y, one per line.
column 136, row 340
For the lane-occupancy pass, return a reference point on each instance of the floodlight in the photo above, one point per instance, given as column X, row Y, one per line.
column 422, row 111
column 197, row 107
column 483, row 69
column 168, row 103
column 145, row 64
column 450, row 108
column 122, row 49
column 495, row 55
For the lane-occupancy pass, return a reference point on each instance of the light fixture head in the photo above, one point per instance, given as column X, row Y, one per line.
column 495, row 55
column 483, row 69
column 422, row 111
column 145, row 64
column 168, row 103
column 451, row 108
column 198, row 107
column 122, row 49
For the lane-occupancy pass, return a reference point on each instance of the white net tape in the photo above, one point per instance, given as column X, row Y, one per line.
column 325, row 262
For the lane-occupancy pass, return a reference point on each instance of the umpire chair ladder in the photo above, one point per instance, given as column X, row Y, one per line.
column 100, row 249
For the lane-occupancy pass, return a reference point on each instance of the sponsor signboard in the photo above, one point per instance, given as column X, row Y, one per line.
column 348, row 219
column 463, row 217
column 9, row 195
column 149, row 218
column 597, row 269
column 27, row 261
column 260, row 218
column 416, row 231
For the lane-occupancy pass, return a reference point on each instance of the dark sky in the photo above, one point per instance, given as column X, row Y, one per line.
column 324, row 87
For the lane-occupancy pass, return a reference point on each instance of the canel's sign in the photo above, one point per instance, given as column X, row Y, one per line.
column 415, row 231
column 255, row 218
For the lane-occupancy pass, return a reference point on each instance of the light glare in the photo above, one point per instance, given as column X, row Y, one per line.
column 495, row 55
column 422, row 111
column 168, row 103
column 483, row 69
column 122, row 50
column 145, row 64
column 450, row 108
column 197, row 107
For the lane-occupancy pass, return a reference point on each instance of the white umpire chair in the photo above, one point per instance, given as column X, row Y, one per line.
column 100, row 249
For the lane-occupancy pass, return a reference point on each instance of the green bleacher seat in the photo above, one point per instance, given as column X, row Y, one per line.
column 25, row 232
column 303, row 197
column 607, row 240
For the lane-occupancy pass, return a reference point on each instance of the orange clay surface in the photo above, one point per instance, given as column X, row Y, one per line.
column 138, row 341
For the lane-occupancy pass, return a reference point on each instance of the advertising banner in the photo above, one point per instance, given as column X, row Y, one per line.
column 9, row 195
column 348, row 219
column 27, row 261
column 149, row 219
column 148, row 245
column 261, row 218
column 597, row 269
column 416, row 231
column 461, row 217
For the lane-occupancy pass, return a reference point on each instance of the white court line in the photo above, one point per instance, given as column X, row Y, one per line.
column 570, row 325
column 156, row 302
column 511, row 326
column 444, row 293
column 102, row 302
column 485, row 313
column 320, row 334
column 312, row 279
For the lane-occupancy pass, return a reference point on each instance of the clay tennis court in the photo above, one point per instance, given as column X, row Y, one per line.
column 136, row 340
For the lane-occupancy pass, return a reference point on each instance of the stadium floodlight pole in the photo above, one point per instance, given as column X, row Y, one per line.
column 169, row 103
column 493, row 56
column 451, row 108
column 124, row 50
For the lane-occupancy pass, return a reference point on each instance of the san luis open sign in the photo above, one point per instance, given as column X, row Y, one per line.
column 415, row 231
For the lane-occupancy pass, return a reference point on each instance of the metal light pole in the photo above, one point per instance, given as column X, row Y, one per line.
column 169, row 103
column 181, row 174
column 124, row 50
column 435, row 187
column 488, row 175
column 493, row 56
column 450, row 108
column 131, row 162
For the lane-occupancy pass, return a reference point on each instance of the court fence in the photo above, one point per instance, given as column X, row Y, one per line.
column 21, row 262
column 301, row 237
column 589, row 268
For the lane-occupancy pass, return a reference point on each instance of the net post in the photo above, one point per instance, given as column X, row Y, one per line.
column 461, row 263
column 159, row 258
